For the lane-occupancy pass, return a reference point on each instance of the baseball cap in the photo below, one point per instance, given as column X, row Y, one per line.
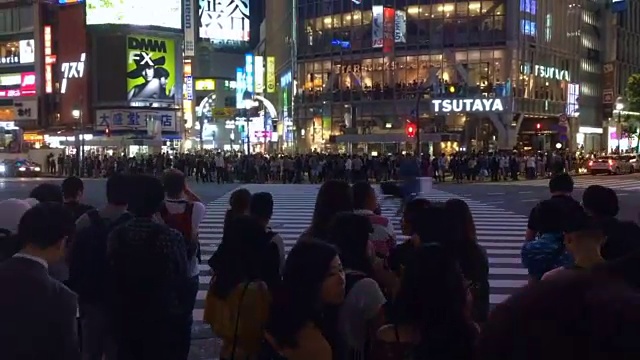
column 11, row 211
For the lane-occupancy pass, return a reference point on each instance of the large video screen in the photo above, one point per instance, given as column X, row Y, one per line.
column 224, row 23
column 151, row 70
column 161, row 13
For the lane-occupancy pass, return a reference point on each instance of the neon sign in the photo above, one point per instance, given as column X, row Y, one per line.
column 72, row 70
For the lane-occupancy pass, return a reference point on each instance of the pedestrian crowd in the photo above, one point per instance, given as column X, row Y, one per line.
column 120, row 282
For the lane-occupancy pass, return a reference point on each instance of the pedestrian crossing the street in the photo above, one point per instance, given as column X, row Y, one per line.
column 614, row 182
column 500, row 232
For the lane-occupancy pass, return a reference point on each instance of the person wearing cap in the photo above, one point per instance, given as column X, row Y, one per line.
column 583, row 239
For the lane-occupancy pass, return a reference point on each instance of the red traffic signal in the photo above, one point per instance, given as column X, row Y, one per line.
column 107, row 132
column 538, row 126
column 410, row 129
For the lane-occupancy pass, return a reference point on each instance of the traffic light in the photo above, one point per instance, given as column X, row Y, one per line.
column 410, row 129
column 107, row 131
column 538, row 126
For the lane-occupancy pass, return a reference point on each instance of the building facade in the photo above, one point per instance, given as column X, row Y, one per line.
column 361, row 69
column 22, row 90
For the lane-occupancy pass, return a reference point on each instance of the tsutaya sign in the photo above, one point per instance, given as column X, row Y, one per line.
column 477, row 105
column 545, row 72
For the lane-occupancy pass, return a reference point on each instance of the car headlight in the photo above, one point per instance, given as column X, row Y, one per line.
column 36, row 168
column 22, row 169
column 3, row 168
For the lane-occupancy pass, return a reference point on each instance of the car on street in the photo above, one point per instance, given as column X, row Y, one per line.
column 611, row 165
column 19, row 168
column 634, row 159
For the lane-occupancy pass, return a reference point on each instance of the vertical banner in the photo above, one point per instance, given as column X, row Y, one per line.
column 376, row 26
column 240, row 86
column 608, row 88
column 258, row 64
column 388, row 30
column 248, row 72
column 189, row 31
column 401, row 27
column 271, row 74
column 49, row 60
column 187, row 102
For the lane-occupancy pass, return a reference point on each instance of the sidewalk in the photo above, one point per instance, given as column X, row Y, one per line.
column 449, row 179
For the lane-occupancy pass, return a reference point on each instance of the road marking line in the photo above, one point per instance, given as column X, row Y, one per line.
column 529, row 200
column 501, row 193
column 525, row 192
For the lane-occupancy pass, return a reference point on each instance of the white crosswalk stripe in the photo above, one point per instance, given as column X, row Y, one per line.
column 500, row 232
column 613, row 182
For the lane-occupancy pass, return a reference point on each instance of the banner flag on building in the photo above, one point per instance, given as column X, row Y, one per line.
column 258, row 64
column 189, row 31
column 271, row 74
column 377, row 22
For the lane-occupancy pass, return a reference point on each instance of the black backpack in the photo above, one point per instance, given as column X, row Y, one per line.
column 88, row 261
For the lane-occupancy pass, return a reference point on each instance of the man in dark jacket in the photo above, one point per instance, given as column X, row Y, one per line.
column 38, row 312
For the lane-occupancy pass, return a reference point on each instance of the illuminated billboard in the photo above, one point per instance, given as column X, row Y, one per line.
column 17, row 52
column 17, row 84
column 161, row 13
column 151, row 70
column 224, row 23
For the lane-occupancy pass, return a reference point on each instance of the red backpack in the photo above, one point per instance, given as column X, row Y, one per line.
column 182, row 222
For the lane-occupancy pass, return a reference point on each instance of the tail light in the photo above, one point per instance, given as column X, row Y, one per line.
column 590, row 162
column 610, row 162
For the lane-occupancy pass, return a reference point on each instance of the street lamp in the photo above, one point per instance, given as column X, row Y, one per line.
column 619, row 108
column 77, row 115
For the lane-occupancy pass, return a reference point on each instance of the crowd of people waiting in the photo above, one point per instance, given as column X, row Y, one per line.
column 349, row 289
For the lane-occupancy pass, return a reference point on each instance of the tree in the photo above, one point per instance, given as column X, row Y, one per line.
column 632, row 93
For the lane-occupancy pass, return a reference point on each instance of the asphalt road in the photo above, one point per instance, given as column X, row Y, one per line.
column 521, row 196
column 95, row 189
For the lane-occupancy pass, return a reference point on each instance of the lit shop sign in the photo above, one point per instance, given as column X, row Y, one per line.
column 478, row 105
column 49, row 60
column 259, row 74
column 188, row 83
column 248, row 72
column 72, row 70
column 225, row 23
column 545, row 72
column 271, row 74
column 205, row 84
column 17, row 52
column 240, row 87
column 18, row 84
column 189, row 32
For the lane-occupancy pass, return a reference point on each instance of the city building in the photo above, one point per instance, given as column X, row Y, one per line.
column 622, row 59
column 225, row 34
column 22, row 89
column 479, row 75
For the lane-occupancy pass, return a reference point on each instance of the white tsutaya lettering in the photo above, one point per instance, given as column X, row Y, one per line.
column 446, row 105
column 436, row 105
column 457, row 105
column 497, row 105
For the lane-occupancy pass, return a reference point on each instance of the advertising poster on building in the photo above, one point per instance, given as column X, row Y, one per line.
column 401, row 27
column 189, row 31
column 225, row 23
column 259, row 74
column 376, row 26
column 151, row 70
column 388, row 30
column 608, row 86
column 160, row 13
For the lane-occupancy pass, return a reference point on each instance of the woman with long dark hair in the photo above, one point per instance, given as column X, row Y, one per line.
column 432, row 307
column 239, row 202
column 238, row 299
column 472, row 258
column 333, row 197
column 313, row 279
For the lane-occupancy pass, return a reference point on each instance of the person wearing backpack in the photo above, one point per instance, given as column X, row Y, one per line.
column 184, row 211
column 88, row 268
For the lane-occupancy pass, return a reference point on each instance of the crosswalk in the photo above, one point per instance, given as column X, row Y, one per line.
column 500, row 232
column 626, row 183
